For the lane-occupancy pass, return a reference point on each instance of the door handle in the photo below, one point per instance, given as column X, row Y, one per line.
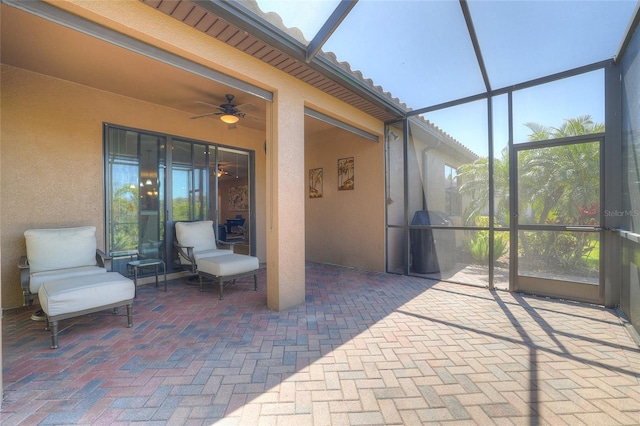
column 583, row 228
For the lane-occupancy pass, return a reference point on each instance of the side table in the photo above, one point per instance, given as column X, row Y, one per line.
column 143, row 263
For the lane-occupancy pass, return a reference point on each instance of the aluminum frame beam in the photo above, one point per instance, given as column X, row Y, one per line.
column 330, row 25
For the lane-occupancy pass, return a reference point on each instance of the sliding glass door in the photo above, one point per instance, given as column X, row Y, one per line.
column 154, row 180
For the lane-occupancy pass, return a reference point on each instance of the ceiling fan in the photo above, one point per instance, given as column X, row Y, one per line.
column 223, row 172
column 228, row 112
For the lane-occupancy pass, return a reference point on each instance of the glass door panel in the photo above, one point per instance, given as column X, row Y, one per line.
column 122, row 189
column 233, row 198
column 134, row 167
column 189, row 181
column 151, row 226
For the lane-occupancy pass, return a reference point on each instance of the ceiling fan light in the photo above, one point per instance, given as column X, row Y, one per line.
column 229, row 119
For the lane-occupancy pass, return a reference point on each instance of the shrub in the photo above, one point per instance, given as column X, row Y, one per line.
column 478, row 244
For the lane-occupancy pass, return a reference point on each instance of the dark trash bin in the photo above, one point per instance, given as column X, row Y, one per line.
column 423, row 243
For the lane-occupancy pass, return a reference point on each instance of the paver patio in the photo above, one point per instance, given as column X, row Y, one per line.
column 365, row 349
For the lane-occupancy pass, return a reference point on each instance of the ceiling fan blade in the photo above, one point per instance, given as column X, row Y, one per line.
column 208, row 104
column 204, row 115
column 248, row 106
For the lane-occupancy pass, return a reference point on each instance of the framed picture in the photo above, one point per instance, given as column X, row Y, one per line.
column 239, row 198
column 315, row 183
column 345, row 173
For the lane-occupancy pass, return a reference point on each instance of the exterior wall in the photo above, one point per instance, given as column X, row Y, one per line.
column 346, row 227
column 52, row 157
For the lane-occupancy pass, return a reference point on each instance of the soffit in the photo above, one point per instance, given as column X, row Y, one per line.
column 204, row 20
column 41, row 46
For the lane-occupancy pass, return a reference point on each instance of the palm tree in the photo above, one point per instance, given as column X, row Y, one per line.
column 474, row 184
column 124, row 216
column 557, row 184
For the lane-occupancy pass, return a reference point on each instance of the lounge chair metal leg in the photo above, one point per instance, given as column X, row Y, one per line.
column 54, row 334
column 129, row 315
column 255, row 283
column 221, row 286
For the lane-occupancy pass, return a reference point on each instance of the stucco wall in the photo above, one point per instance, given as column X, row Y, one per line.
column 346, row 227
column 52, row 142
column 51, row 155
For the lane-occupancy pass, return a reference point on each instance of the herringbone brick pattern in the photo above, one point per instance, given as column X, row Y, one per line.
column 365, row 349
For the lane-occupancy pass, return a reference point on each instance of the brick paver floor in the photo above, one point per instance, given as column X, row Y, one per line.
column 365, row 349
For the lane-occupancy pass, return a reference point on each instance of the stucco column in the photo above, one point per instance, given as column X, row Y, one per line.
column 285, row 202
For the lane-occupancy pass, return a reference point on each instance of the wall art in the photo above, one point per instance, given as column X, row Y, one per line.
column 345, row 173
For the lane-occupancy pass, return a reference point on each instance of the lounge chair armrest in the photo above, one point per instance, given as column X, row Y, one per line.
column 23, row 263
column 25, row 272
column 104, row 260
column 25, row 277
column 185, row 251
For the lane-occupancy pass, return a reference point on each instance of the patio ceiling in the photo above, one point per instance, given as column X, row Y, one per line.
column 37, row 40
column 42, row 46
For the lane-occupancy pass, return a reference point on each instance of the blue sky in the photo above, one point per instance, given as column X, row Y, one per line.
column 421, row 53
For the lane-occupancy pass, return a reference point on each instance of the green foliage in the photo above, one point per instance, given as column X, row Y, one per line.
column 478, row 244
column 566, row 249
column 124, row 218
column 557, row 185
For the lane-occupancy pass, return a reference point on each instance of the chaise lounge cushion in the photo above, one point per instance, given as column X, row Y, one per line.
column 229, row 265
column 82, row 293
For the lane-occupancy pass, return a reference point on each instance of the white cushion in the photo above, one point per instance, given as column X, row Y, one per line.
column 204, row 254
column 227, row 265
column 63, row 248
column 198, row 235
column 85, row 292
column 199, row 255
column 38, row 278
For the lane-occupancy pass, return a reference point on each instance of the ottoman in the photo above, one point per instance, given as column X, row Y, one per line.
column 75, row 296
column 228, row 267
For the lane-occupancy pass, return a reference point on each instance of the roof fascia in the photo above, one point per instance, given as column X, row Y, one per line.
column 237, row 15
